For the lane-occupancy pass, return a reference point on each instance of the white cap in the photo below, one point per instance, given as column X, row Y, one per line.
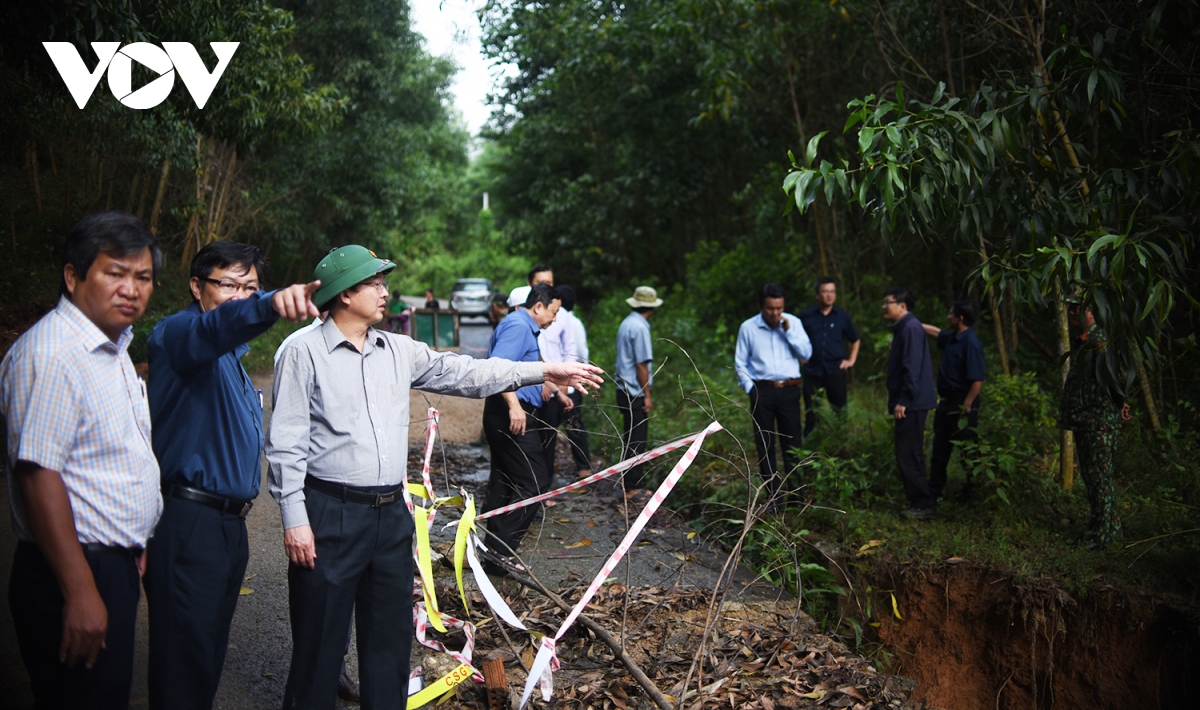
column 518, row 296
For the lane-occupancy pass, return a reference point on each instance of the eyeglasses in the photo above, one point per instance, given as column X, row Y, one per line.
column 380, row 286
column 230, row 288
column 887, row 303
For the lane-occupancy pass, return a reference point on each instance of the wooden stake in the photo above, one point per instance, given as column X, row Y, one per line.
column 495, row 683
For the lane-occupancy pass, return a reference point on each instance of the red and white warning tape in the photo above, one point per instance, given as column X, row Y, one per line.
column 547, row 661
column 606, row 473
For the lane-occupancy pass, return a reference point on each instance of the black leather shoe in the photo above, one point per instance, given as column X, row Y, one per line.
column 919, row 513
column 347, row 688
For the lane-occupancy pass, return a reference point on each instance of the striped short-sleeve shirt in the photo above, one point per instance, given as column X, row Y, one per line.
column 73, row 404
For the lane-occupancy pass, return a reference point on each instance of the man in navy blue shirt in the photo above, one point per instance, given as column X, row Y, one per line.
column 959, row 380
column 910, row 397
column 829, row 328
column 208, row 437
column 512, row 428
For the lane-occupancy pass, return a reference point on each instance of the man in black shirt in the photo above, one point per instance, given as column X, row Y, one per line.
column 959, row 380
column 827, row 326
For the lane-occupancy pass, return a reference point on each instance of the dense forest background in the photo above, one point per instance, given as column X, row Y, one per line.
column 649, row 141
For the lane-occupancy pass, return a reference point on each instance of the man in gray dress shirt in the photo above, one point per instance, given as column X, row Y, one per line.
column 337, row 450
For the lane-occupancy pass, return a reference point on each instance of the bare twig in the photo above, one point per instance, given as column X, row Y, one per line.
column 617, row 648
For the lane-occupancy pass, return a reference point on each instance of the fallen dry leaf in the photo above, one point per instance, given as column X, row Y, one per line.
column 245, row 592
column 576, row 545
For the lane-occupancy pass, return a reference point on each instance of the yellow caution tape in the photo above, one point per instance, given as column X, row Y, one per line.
column 441, row 686
column 465, row 525
column 418, row 490
column 425, row 565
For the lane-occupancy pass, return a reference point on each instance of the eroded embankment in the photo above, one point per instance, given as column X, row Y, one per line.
column 975, row 638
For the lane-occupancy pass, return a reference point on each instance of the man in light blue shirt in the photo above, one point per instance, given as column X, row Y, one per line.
column 513, row 429
column 770, row 348
column 635, row 377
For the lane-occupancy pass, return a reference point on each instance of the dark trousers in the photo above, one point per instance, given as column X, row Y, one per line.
column 910, row 458
column 364, row 566
column 518, row 472
column 949, row 426
column 581, row 453
column 1097, row 453
column 637, row 429
column 834, row 382
column 36, row 602
column 550, row 416
column 195, row 564
column 772, row 409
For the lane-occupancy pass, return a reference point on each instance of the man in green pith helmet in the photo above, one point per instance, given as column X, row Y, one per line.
column 1094, row 412
column 336, row 469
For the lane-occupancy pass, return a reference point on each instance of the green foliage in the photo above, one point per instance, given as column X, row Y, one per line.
column 967, row 173
column 1016, row 454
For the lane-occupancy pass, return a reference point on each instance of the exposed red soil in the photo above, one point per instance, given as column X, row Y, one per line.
column 975, row 638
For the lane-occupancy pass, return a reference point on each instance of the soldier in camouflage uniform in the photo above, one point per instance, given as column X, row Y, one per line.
column 1094, row 413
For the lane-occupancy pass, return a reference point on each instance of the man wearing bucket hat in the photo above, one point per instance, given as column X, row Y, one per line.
column 337, row 466
column 634, row 378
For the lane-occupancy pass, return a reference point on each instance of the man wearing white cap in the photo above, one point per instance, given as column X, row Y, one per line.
column 634, row 377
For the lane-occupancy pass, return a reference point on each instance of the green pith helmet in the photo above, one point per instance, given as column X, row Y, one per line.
column 1074, row 294
column 344, row 267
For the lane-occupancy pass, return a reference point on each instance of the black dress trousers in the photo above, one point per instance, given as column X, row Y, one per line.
column 637, row 430
column 581, row 452
column 364, row 566
column 910, row 459
column 949, row 426
column 518, row 472
column 36, row 602
column 834, row 382
column 195, row 564
column 777, row 409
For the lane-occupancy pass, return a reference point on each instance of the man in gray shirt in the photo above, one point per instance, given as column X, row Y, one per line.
column 337, row 450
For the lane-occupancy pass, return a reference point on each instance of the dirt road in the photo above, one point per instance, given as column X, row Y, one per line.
column 564, row 548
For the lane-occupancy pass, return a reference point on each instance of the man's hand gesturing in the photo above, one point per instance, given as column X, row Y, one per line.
column 294, row 303
column 572, row 374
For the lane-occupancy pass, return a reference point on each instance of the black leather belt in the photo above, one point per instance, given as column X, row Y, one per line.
column 131, row 552
column 352, row 494
column 239, row 508
column 778, row 384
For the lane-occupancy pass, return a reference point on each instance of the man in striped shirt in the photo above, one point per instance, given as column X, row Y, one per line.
column 84, row 482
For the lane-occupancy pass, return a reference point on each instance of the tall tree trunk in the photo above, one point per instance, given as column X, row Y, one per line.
column 1066, row 449
column 160, row 194
column 1147, row 394
column 991, row 299
column 133, row 191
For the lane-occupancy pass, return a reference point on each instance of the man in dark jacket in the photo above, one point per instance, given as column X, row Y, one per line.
column 208, row 437
column 910, row 397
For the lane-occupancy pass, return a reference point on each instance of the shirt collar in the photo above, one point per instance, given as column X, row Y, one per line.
column 530, row 321
column 334, row 337
column 900, row 323
column 90, row 335
column 762, row 322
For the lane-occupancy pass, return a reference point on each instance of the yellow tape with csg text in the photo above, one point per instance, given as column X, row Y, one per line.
column 441, row 686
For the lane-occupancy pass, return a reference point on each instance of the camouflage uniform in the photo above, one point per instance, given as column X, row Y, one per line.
column 1090, row 410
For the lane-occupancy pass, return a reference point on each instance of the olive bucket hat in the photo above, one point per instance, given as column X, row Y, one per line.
column 344, row 267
